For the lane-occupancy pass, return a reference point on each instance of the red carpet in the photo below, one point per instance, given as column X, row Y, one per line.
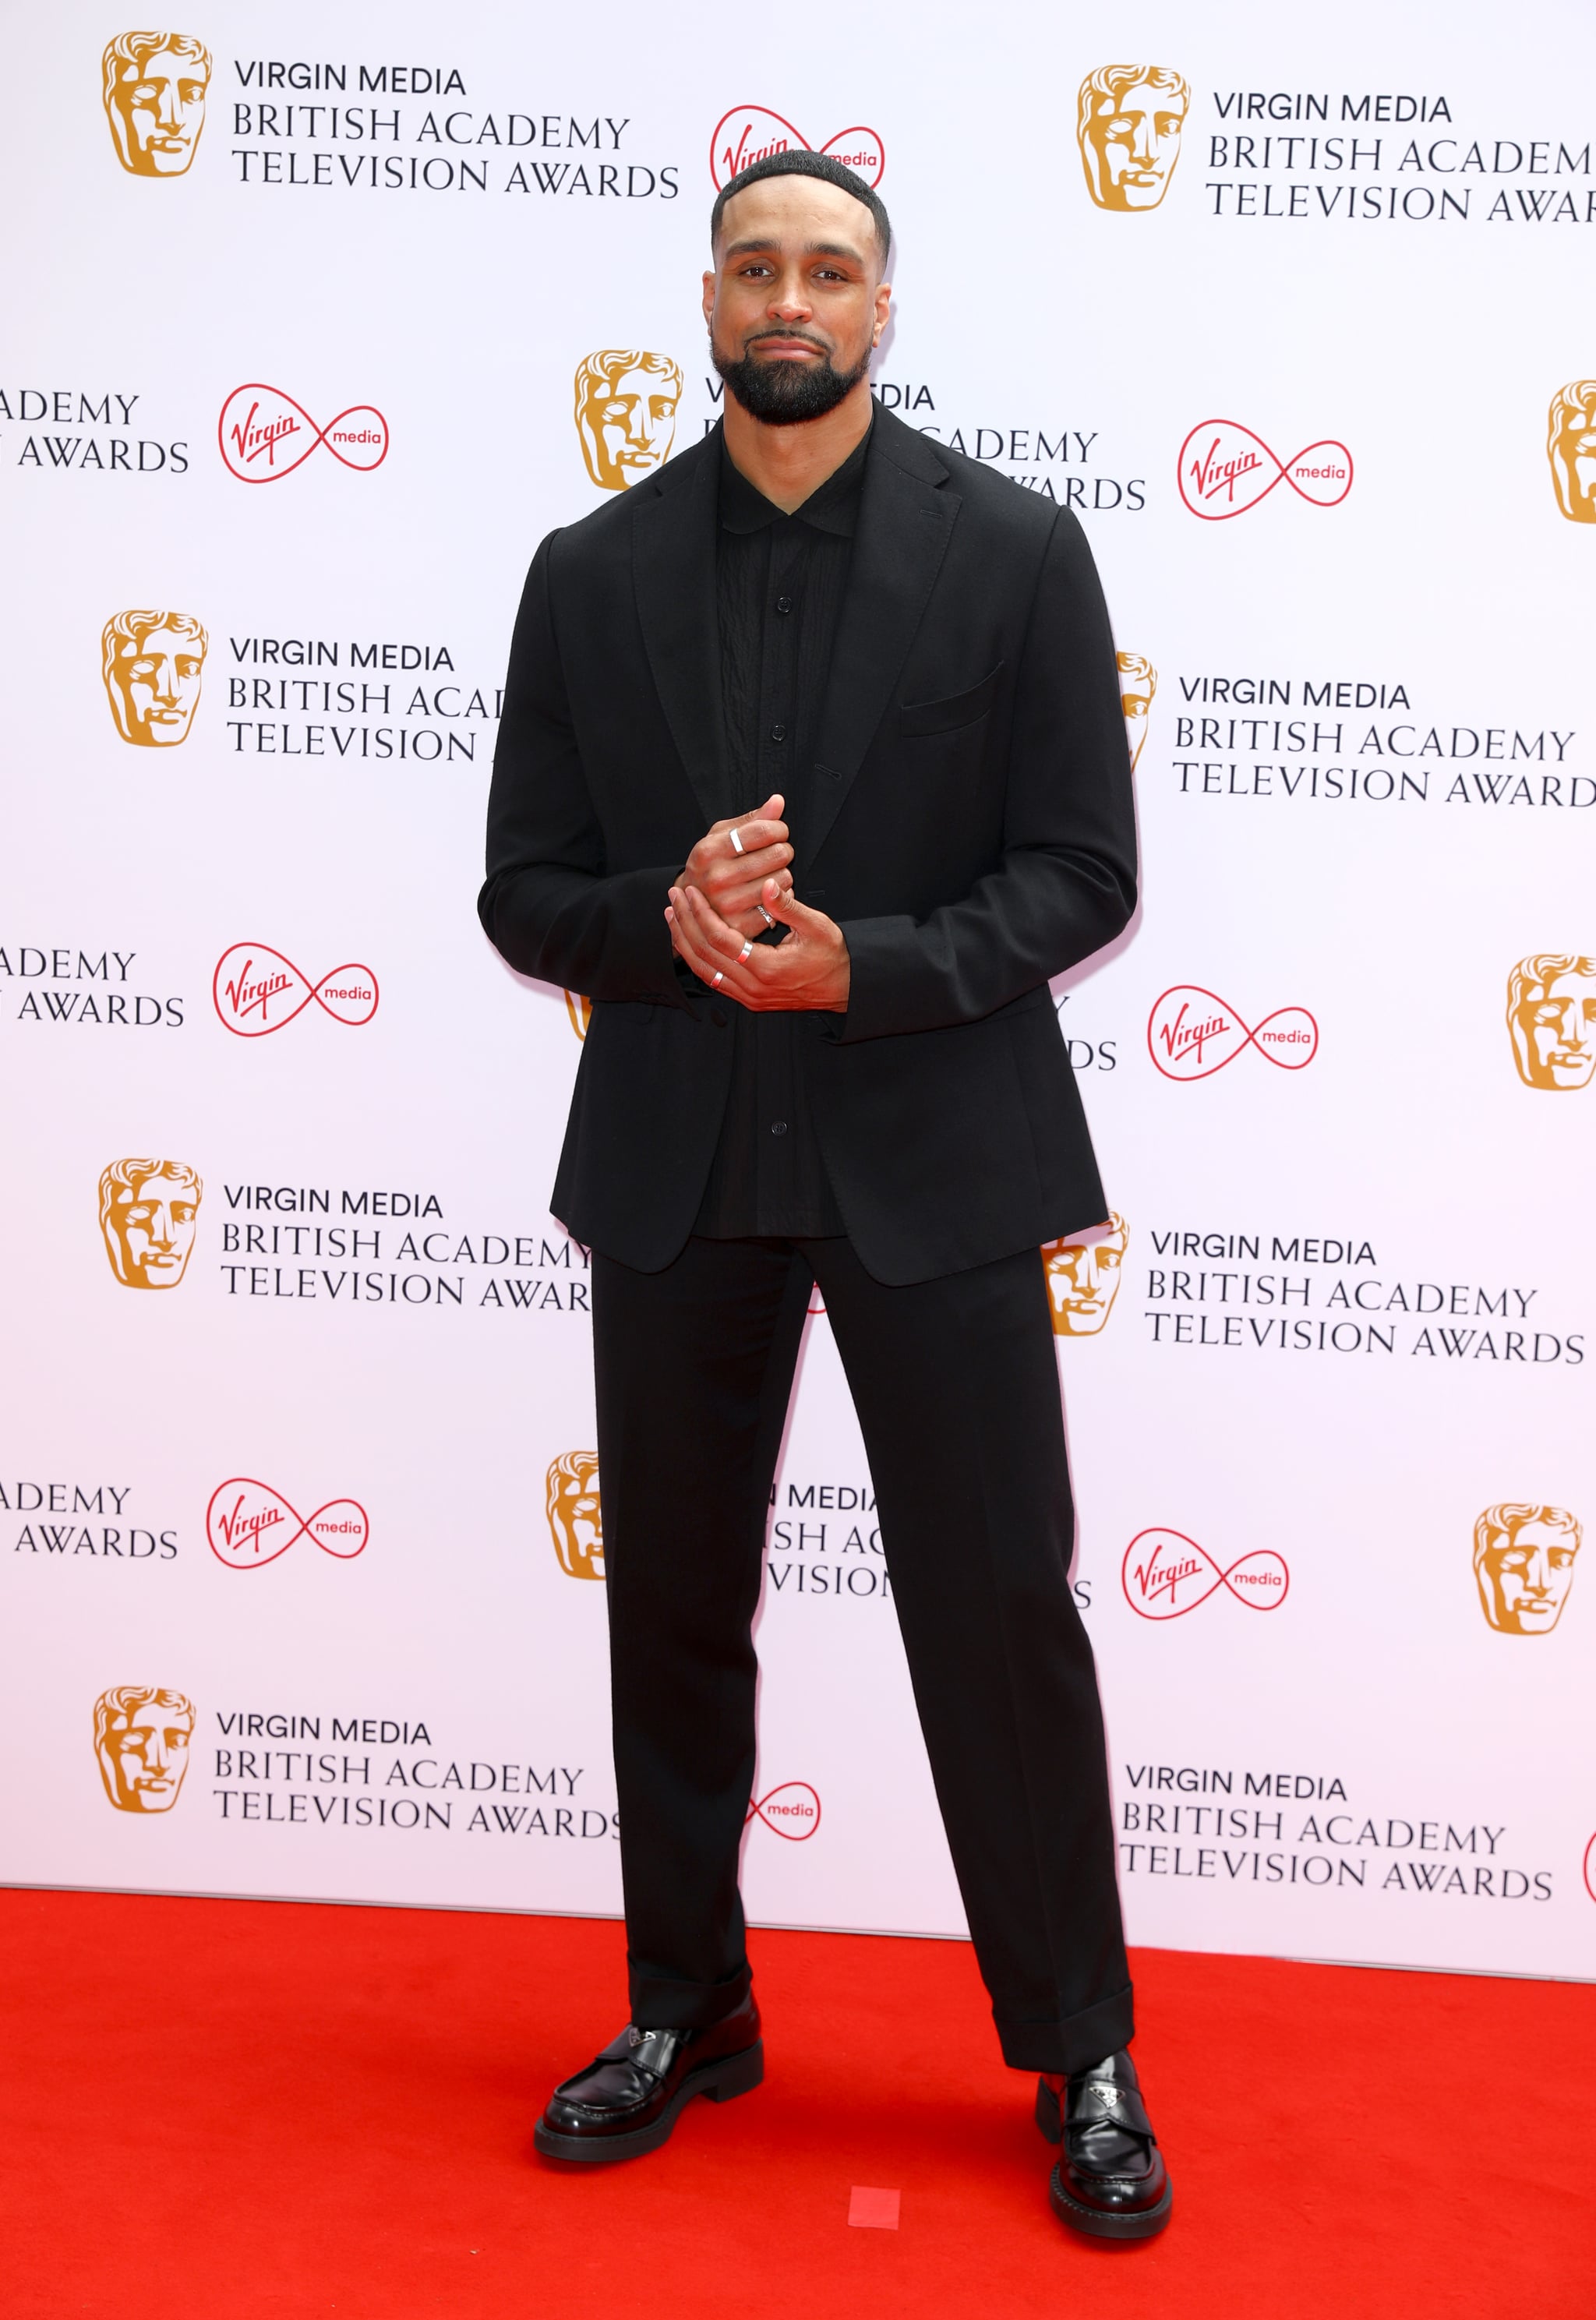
column 231, row 2111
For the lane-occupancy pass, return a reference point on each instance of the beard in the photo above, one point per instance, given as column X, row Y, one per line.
column 786, row 394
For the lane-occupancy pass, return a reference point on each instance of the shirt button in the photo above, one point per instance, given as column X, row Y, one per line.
column 783, row 603
column 778, row 732
column 778, row 1126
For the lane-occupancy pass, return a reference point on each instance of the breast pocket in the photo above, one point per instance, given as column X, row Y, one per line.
column 918, row 720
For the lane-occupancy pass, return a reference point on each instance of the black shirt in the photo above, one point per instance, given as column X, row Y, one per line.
column 779, row 587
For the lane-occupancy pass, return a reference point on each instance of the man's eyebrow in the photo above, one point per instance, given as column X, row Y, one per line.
column 756, row 243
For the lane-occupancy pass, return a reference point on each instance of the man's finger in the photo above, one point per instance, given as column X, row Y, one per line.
column 746, row 837
column 711, row 947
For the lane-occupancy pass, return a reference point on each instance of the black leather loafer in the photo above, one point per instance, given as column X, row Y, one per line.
column 629, row 2099
column 1112, row 2181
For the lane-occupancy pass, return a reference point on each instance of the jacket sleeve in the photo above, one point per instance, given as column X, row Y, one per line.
column 550, row 905
column 1067, row 883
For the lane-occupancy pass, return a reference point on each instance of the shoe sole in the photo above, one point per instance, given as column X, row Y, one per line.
column 1097, row 2222
column 723, row 2081
column 1103, row 2223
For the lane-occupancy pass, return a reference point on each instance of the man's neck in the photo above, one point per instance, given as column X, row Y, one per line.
column 788, row 463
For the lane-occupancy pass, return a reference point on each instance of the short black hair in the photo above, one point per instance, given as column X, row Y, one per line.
column 801, row 163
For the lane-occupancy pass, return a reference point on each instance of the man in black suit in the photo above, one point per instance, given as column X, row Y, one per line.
column 812, row 771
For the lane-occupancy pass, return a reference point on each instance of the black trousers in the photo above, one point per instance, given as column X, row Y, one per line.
column 955, row 1384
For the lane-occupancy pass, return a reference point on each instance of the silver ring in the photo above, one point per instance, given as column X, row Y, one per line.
column 736, row 837
column 765, row 914
column 746, row 952
column 717, row 979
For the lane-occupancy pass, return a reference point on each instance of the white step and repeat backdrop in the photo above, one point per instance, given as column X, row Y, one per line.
column 318, row 318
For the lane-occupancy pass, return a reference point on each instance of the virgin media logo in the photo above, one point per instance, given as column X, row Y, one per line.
column 264, row 435
column 1192, row 1033
column 1591, row 1869
column 1224, row 469
column 255, row 990
column 749, row 131
column 249, row 1525
column 792, row 1811
column 1165, row 1574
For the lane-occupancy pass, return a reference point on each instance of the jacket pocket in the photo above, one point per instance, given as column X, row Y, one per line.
column 917, row 719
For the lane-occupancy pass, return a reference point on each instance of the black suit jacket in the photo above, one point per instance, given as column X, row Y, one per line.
column 970, row 827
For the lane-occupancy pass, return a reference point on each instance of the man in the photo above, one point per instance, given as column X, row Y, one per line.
column 149, row 1211
column 812, row 772
column 626, row 414
column 1551, row 1019
column 1524, row 1560
column 153, row 663
column 155, row 100
column 1128, row 130
column 142, row 1736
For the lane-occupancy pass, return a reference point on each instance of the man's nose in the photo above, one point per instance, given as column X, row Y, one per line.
column 791, row 302
column 160, row 1227
column 1142, row 140
column 166, row 685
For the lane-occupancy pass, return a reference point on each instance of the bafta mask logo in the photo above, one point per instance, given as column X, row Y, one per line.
column 1524, row 1566
column 1551, row 1019
column 1082, row 1274
column 142, row 1736
column 147, row 1212
column 1570, row 446
column 626, row 414
column 580, row 1011
column 155, row 100
column 576, row 1518
column 1138, row 681
column 1130, row 132
column 152, row 666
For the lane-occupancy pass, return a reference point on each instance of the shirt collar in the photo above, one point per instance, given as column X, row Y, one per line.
column 832, row 506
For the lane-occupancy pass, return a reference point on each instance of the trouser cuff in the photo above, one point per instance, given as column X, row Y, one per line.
column 658, row 2003
column 1074, row 2044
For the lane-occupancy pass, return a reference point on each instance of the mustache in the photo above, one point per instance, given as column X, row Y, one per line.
column 806, row 337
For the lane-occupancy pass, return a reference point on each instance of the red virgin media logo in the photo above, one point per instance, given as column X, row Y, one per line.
column 792, row 1811
column 249, row 1525
column 749, row 131
column 1591, row 1869
column 1192, row 1033
column 255, row 990
column 264, row 435
column 1165, row 1574
column 1224, row 469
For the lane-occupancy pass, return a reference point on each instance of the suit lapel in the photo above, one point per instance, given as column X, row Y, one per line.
column 673, row 575
column 907, row 512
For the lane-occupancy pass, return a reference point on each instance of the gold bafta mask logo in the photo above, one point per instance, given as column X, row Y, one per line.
column 142, row 1736
column 580, row 1011
column 1082, row 1275
column 155, row 100
column 1524, row 1566
column 1570, row 446
column 147, row 1212
column 1551, row 1019
column 1138, row 681
column 626, row 413
column 576, row 1518
column 153, row 665
column 1130, row 132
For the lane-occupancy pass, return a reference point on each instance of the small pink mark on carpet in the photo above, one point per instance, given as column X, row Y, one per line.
column 874, row 2210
